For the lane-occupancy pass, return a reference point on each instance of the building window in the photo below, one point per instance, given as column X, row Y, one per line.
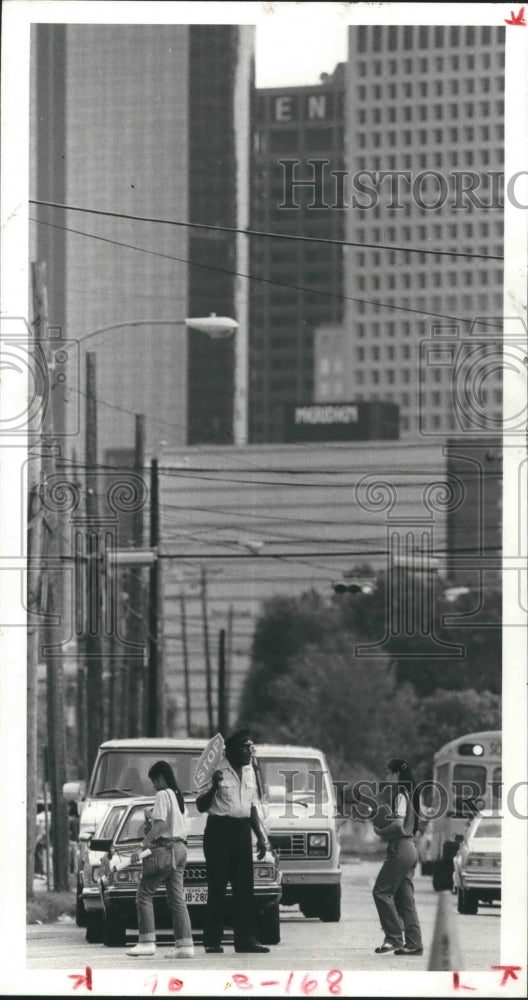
column 361, row 38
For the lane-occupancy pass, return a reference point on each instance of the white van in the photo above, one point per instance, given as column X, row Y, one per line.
column 300, row 817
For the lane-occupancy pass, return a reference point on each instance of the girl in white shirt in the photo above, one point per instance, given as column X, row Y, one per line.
column 167, row 841
column 394, row 889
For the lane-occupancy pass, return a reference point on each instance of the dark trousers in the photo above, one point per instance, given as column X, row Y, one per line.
column 394, row 895
column 229, row 858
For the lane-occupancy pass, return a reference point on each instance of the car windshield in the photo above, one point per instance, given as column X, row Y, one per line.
column 125, row 772
column 488, row 828
column 298, row 778
column 134, row 826
column 110, row 823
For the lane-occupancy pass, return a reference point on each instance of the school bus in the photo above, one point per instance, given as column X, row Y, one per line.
column 467, row 777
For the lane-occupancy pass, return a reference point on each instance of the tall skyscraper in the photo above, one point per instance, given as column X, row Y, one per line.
column 303, row 282
column 424, row 104
column 149, row 121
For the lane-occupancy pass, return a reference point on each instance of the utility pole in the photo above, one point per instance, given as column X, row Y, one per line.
column 155, row 720
column 51, row 599
column 229, row 663
column 35, row 527
column 56, row 754
column 185, row 654
column 222, row 720
column 92, row 642
column 136, row 625
column 207, row 654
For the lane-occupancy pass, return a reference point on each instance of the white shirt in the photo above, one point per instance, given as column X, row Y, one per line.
column 234, row 796
column 167, row 809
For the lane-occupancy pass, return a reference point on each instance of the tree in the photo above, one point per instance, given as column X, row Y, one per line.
column 286, row 626
column 445, row 715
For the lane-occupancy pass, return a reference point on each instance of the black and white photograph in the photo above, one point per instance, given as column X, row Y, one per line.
column 264, row 498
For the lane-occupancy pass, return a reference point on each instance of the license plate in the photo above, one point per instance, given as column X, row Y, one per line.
column 196, row 894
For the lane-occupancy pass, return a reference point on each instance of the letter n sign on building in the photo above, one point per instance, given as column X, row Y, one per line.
column 363, row 421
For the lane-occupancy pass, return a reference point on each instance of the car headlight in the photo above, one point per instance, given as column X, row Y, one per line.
column 261, row 872
column 317, row 844
column 127, row 875
column 96, row 871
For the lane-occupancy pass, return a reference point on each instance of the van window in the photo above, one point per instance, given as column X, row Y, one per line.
column 298, row 776
column 126, row 772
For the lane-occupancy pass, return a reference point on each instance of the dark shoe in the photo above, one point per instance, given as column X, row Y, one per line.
column 386, row 948
column 408, row 951
column 214, row 949
column 253, row 948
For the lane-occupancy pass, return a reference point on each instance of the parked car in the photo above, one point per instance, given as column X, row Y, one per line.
column 119, row 836
column 301, row 822
column 477, row 864
column 120, row 772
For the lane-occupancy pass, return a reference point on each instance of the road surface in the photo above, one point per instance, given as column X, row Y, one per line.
column 305, row 944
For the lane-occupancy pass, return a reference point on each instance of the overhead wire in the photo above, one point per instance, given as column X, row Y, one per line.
column 272, row 281
column 262, row 234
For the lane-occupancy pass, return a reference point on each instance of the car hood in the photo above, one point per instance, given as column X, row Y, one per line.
column 484, row 845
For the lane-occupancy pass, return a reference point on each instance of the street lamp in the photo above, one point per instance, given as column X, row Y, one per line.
column 215, row 326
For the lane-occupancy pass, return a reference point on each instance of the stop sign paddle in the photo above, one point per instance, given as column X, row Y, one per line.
column 209, row 760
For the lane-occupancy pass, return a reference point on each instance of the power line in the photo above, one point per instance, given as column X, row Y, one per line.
column 271, row 281
column 260, row 233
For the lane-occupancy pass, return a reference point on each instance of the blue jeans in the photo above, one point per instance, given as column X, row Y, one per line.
column 165, row 865
column 394, row 895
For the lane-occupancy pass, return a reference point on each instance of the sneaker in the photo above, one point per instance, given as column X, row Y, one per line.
column 408, row 951
column 386, row 948
column 144, row 949
column 184, row 951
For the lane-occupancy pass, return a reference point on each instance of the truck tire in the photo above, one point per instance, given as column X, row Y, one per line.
column 467, row 901
column 94, row 927
column 330, row 904
column 309, row 903
column 268, row 925
column 114, row 933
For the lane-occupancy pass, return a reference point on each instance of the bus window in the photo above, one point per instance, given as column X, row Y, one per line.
column 496, row 788
column 469, row 788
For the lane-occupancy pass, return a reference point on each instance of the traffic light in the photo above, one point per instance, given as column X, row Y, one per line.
column 354, row 587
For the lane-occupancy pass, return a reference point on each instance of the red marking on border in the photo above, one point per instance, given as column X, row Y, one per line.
column 81, row 980
column 458, row 985
column 521, row 21
column 508, row 970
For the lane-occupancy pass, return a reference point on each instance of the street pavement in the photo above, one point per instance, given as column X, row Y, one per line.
column 305, row 944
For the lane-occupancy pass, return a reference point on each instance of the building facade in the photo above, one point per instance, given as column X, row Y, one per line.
column 424, row 123
column 121, row 125
column 302, row 281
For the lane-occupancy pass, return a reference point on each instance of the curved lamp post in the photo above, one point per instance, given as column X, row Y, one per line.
column 213, row 325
